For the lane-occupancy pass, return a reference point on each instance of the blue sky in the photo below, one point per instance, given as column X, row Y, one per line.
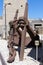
column 1, row 7
column 35, row 8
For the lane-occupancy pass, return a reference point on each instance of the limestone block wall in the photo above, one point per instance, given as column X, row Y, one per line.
column 11, row 10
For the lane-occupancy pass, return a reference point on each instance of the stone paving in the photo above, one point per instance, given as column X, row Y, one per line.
column 29, row 55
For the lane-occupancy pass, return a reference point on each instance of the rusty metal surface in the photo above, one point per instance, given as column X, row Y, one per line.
column 17, row 36
column 23, row 37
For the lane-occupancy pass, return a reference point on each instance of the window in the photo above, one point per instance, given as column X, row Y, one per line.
column 21, row 5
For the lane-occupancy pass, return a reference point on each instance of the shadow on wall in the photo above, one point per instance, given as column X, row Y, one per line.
column 2, row 60
column 41, row 63
column 33, row 54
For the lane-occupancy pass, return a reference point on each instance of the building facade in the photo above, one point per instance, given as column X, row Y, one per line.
column 37, row 24
column 10, row 14
column 11, row 9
